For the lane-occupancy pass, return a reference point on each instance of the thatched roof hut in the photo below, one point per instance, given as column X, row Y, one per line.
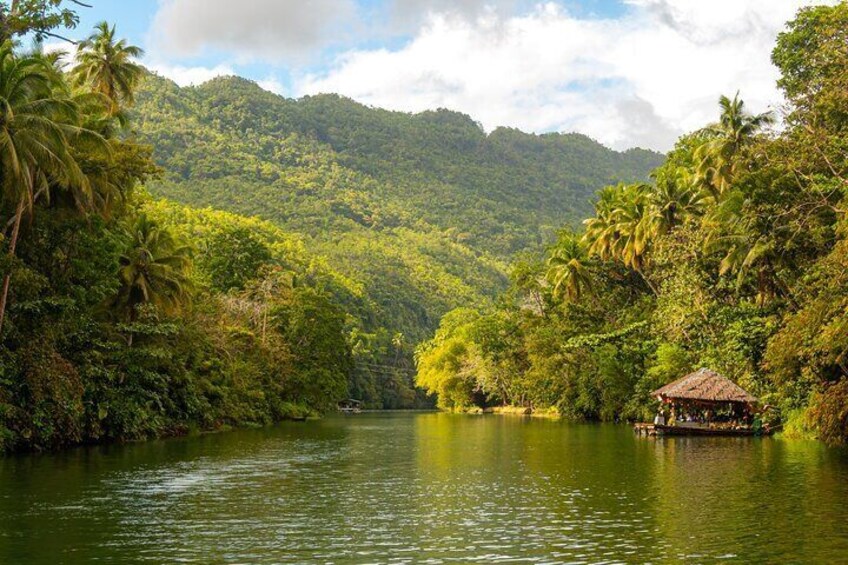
column 705, row 387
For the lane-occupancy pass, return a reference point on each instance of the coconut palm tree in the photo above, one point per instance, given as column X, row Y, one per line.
column 675, row 197
column 624, row 225
column 635, row 222
column 106, row 66
column 568, row 270
column 37, row 117
column 718, row 156
column 154, row 270
column 602, row 233
column 745, row 248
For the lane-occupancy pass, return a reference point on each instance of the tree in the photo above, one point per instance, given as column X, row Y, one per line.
column 447, row 363
column 812, row 59
column 624, row 226
column 314, row 328
column 234, row 257
column 153, row 270
column 719, row 155
column 828, row 413
column 811, row 55
column 811, row 347
column 261, row 294
column 106, row 66
column 675, row 197
column 39, row 17
column 36, row 120
column 733, row 228
column 635, row 223
column 602, row 232
column 567, row 267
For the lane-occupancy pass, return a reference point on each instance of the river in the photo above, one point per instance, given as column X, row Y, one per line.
column 428, row 488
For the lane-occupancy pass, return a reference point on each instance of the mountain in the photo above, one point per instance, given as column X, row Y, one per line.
column 324, row 162
column 422, row 211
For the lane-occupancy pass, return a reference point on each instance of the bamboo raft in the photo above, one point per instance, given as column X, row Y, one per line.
column 647, row 429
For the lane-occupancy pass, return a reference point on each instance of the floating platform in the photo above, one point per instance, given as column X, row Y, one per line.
column 647, row 429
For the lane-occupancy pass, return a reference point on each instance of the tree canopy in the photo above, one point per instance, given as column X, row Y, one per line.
column 733, row 257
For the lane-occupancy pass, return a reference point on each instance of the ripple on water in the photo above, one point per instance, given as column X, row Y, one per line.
column 436, row 489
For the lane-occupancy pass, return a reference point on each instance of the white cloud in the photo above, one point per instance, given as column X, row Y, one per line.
column 251, row 29
column 404, row 13
column 189, row 76
column 272, row 84
column 296, row 30
column 58, row 47
column 641, row 79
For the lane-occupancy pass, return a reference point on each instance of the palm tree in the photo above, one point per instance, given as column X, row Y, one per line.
column 624, row 225
column 36, row 119
column 568, row 271
column 602, row 233
column 718, row 156
column 154, row 270
column 106, row 66
column 635, row 222
column 675, row 198
column 746, row 248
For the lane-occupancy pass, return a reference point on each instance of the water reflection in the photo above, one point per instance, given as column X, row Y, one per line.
column 433, row 488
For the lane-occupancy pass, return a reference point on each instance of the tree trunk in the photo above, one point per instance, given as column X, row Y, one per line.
column 13, row 243
column 647, row 282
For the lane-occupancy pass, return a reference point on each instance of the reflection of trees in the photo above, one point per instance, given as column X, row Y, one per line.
column 448, row 486
column 533, row 488
column 756, row 498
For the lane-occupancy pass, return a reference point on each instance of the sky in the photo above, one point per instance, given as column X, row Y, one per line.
column 629, row 73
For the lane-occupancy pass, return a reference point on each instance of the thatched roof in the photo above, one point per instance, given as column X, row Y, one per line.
column 704, row 385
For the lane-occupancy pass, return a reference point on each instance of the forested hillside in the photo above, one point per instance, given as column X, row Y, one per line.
column 733, row 257
column 302, row 251
column 423, row 212
column 326, row 166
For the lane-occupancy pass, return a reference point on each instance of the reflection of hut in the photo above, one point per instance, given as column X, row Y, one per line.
column 704, row 403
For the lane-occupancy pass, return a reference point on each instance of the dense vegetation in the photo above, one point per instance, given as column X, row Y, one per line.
column 196, row 258
column 124, row 316
column 419, row 213
column 735, row 257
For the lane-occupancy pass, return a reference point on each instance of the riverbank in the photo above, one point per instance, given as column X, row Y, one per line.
column 286, row 412
column 551, row 413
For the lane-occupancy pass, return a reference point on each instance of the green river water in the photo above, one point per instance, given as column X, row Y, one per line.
column 428, row 488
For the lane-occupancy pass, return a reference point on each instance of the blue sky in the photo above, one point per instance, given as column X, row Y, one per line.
column 626, row 72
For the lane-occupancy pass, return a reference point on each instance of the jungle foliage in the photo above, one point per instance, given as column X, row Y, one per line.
column 418, row 213
column 123, row 317
column 733, row 257
column 180, row 259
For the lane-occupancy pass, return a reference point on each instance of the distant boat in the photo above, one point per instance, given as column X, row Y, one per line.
column 350, row 406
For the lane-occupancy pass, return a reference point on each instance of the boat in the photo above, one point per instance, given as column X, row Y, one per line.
column 350, row 406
